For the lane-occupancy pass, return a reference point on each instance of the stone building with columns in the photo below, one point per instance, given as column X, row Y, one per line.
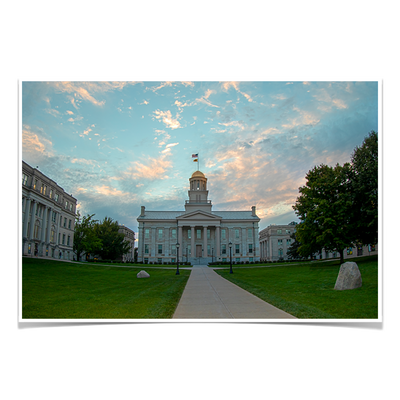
column 203, row 235
column 48, row 216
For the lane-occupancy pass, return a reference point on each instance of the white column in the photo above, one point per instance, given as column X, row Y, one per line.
column 205, row 241
column 27, row 207
column 192, row 245
column 180, row 242
column 166, row 241
column 244, row 242
column 44, row 224
column 218, row 241
column 34, row 205
column 153, row 250
column 49, row 226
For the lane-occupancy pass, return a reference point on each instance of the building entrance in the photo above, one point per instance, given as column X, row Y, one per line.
column 198, row 250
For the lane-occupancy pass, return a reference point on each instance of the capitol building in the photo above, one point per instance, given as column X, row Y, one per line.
column 198, row 234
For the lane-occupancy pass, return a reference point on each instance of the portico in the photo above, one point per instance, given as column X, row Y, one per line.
column 203, row 234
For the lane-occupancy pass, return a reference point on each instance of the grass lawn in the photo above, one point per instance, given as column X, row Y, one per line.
column 56, row 289
column 306, row 290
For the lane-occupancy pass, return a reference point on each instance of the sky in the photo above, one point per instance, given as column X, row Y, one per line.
column 117, row 146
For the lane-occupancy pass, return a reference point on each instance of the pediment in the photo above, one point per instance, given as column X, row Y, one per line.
column 199, row 215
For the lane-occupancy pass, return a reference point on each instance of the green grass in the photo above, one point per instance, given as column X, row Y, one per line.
column 56, row 289
column 307, row 290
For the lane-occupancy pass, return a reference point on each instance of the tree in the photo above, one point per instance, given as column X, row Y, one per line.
column 293, row 250
column 324, row 208
column 85, row 239
column 365, row 188
column 113, row 243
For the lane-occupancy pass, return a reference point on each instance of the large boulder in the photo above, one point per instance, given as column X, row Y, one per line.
column 143, row 274
column 349, row 277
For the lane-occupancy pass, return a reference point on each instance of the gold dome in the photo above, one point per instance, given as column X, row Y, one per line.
column 197, row 174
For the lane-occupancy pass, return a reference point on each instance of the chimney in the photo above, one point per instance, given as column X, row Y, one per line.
column 253, row 211
column 142, row 211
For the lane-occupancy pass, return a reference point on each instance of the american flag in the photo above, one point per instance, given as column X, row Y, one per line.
column 195, row 155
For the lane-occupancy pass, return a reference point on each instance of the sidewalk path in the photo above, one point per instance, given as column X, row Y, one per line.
column 208, row 295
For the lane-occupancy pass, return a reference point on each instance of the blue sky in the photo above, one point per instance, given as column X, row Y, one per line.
column 119, row 145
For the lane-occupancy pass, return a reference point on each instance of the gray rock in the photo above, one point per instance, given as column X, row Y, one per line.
column 143, row 274
column 349, row 277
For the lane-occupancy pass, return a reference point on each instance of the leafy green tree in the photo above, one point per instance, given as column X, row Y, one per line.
column 85, row 239
column 365, row 188
column 293, row 249
column 113, row 243
column 324, row 208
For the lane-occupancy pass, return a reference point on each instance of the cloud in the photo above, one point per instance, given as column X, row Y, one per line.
column 227, row 85
column 34, row 144
column 167, row 119
column 87, row 90
column 328, row 99
column 105, row 190
column 151, row 169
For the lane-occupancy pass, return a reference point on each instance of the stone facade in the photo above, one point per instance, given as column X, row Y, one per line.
column 275, row 241
column 203, row 235
column 48, row 216
column 129, row 237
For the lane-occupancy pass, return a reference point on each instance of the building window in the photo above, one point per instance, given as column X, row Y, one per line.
column 173, row 233
column 35, row 184
column 68, row 239
column 147, row 233
column 189, row 232
column 159, row 234
column 173, row 249
column 288, row 241
column 224, row 249
column 65, row 222
column 189, row 249
column 223, row 234
column 251, row 259
column 146, row 260
column 52, row 236
column 237, row 248
column 236, row 233
column 160, row 249
column 349, row 251
column 146, row 249
column 250, row 233
column 66, row 205
column 359, row 250
column 159, row 260
column 238, row 260
column 24, row 179
column 63, row 242
column 56, row 197
column 224, row 260
column 36, row 232
column 371, row 247
column 208, row 250
column 208, row 234
column 279, row 231
column 198, row 233
column 70, row 207
column 54, row 216
column 280, row 253
column 173, row 260
column 288, row 231
column 59, row 238
column 69, row 224
column 279, row 242
column 51, row 193
column 250, row 248
column 44, row 190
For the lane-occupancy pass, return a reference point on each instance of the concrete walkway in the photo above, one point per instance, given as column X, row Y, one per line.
column 208, row 295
